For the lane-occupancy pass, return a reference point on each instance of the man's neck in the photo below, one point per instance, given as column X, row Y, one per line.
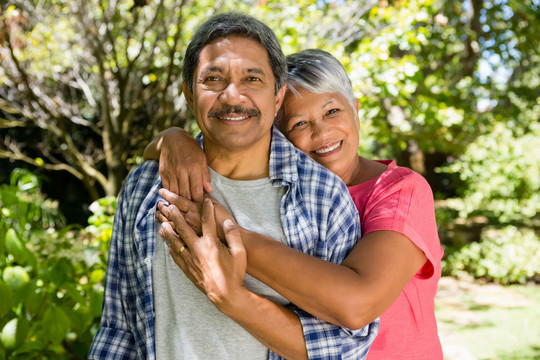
column 239, row 165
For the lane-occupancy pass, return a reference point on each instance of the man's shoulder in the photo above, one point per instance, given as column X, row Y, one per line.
column 141, row 179
column 148, row 171
column 308, row 170
column 313, row 180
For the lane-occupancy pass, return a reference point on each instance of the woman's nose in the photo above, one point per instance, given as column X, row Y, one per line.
column 319, row 129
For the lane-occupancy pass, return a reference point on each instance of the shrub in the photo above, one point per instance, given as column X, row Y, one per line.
column 507, row 255
column 501, row 175
column 51, row 273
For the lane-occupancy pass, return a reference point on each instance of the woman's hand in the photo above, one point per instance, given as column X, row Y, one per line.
column 191, row 211
column 217, row 269
column 182, row 163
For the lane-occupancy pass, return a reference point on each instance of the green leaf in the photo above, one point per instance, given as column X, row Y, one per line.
column 5, row 295
column 14, row 333
column 15, row 277
column 15, row 247
column 55, row 324
column 74, row 293
column 96, row 302
column 33, row 299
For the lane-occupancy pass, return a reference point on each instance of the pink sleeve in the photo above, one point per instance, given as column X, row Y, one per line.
column 402, row 201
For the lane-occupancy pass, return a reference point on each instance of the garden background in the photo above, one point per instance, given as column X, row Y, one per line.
column 450, row 89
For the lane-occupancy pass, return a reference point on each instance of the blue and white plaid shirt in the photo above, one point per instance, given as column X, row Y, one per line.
column 318, row 218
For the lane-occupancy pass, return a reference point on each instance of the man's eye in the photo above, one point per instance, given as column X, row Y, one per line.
column 211, row 79
column 253, row 78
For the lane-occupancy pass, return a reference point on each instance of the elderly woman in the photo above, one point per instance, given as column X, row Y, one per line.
column 392, row 272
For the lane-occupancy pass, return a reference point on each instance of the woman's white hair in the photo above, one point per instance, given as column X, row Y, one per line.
column 318, row 72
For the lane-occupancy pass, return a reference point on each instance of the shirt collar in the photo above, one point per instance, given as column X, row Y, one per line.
column 283, row 168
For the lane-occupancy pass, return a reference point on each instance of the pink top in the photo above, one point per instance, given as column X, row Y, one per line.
column 401, row 200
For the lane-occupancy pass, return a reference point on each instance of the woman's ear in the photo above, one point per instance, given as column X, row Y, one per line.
column 356, row 108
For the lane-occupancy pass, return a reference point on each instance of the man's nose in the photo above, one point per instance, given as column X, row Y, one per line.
column 232, row 94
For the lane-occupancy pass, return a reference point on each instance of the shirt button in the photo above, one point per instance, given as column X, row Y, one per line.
column 147, row 261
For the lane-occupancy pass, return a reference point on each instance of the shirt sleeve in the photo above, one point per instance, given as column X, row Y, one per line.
column 403, row 202
column 114, row 339
column 329, row 341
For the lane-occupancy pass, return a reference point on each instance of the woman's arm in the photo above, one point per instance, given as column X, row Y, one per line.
column 219, row 270
column 182, row 163
column 349, row 295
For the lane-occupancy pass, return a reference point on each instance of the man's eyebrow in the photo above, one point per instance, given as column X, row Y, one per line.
column 212, row 69
column 255, row 70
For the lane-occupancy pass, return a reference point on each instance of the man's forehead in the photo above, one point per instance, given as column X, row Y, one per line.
column 221, row 53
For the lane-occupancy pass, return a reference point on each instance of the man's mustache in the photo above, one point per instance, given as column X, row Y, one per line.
column 240, row 110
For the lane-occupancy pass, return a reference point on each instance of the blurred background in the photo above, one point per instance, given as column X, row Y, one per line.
column 450, row 89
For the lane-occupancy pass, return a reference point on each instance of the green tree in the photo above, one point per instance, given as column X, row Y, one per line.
column 92, row 78
column 96, row 80
column 93, row 81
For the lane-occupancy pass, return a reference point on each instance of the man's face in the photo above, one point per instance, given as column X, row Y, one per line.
column 233, row 96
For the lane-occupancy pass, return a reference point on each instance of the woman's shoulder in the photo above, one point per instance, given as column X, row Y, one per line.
column 402, row 175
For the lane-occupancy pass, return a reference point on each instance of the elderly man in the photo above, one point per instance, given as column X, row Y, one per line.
column 234, row 82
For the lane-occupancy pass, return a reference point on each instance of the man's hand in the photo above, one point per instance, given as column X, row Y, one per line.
column 191, row 211
column 217, row 269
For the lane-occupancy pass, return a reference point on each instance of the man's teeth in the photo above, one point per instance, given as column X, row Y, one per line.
column 235, row 118
column 328, row 149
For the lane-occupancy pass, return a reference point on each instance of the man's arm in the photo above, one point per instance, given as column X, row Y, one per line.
column 114, row 338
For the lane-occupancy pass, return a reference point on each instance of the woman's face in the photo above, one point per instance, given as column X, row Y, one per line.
column 325, row 127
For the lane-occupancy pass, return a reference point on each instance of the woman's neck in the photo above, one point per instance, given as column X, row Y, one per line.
column 365, row 170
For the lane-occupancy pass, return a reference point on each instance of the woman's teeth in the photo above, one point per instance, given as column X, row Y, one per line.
column 328, row 149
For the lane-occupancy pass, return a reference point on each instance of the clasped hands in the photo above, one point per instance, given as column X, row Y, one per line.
column 213, row 256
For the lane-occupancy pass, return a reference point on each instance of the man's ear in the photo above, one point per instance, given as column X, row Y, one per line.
column 279, row 98
column 187, row 94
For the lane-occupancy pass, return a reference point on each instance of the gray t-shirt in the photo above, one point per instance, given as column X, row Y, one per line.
column 187, row 324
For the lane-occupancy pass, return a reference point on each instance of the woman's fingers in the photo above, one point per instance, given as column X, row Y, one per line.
column 199, row 181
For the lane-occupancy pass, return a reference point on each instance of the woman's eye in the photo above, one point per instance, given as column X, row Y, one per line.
column 332, row 111
column 298, row 124
column 211, row 79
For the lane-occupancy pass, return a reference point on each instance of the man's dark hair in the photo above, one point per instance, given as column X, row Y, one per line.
column 229, row 24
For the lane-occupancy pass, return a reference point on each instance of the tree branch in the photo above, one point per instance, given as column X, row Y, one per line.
column 57, row 167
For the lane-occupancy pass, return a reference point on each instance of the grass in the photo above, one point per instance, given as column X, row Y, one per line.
column 494, row 322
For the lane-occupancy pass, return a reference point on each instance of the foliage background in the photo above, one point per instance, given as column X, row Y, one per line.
column 448, row 88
